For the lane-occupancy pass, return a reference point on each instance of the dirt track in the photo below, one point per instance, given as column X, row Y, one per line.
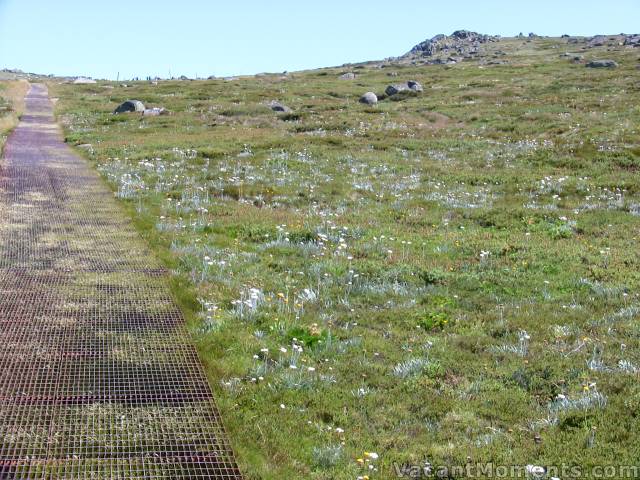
column 98, row 378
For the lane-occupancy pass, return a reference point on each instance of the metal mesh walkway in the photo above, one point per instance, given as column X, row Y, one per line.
column 98, row 379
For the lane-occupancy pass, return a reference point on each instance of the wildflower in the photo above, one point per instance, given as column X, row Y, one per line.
column 283, row 350
column 535, row 471
column 371, row 455
column 282, row 406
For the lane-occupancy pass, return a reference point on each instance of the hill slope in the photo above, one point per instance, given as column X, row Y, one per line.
column 450, row 275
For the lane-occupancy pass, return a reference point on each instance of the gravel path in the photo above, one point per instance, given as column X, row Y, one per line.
column 98, row 378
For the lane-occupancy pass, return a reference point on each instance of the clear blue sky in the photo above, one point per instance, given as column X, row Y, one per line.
column 187, row 37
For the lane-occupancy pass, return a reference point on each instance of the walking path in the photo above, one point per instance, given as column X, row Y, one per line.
column 98, row 378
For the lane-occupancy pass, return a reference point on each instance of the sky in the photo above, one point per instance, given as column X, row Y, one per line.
column 137, row 38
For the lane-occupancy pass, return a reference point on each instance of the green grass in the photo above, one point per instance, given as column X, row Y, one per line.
column 11, row 106
column 449, row 264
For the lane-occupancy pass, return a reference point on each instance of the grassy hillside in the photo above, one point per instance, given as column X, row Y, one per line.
column 11, row 105
column 449, row 277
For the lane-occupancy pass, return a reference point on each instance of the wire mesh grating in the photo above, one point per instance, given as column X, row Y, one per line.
column 98, row 378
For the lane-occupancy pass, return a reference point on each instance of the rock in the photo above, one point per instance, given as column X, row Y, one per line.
column 597, row 41
column 211, row 77
column 632, row 40
column 395, row 89
column 278, row 107
column 84, row 80
column 459, row 42
column 130, row 106
column 154, row 112
column 602, row 64
column 369, row 98
column 415, row 86
column 411, row 85
column 348, row 76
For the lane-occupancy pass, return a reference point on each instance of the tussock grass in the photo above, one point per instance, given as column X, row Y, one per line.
column 12, row 95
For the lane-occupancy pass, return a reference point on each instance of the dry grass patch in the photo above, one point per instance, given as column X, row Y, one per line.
column 12, row 95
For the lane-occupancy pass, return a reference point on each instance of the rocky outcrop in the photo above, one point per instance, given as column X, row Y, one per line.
column 460, row 42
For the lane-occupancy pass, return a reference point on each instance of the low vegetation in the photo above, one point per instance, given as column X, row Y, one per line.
column 451, row 277
column 11, row 105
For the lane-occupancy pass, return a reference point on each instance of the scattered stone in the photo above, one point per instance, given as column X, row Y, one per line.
column 348, row 76
column 130, row 106
column 154, row 112
column 415, row 86
column 85, row 146
column 602, row 64
column 278, row 107
column 395, row 89
column 596, row 41
column 84, row 80
column 436, row 61
column 392, row 74
column 369, row 98
column 411, row 85
column 632, row 40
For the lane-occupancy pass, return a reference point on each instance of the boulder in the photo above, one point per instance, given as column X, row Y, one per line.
column 395, row 89
column 84, row 80
column 602, row 64
column 597, row 41
column 278, row 107
column 154, row 112
column 415, row 86
column 130, row 106
column 348, row 76
column 632, row 40
column 369, row 98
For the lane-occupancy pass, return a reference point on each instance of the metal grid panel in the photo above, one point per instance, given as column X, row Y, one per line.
column 98, row 378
